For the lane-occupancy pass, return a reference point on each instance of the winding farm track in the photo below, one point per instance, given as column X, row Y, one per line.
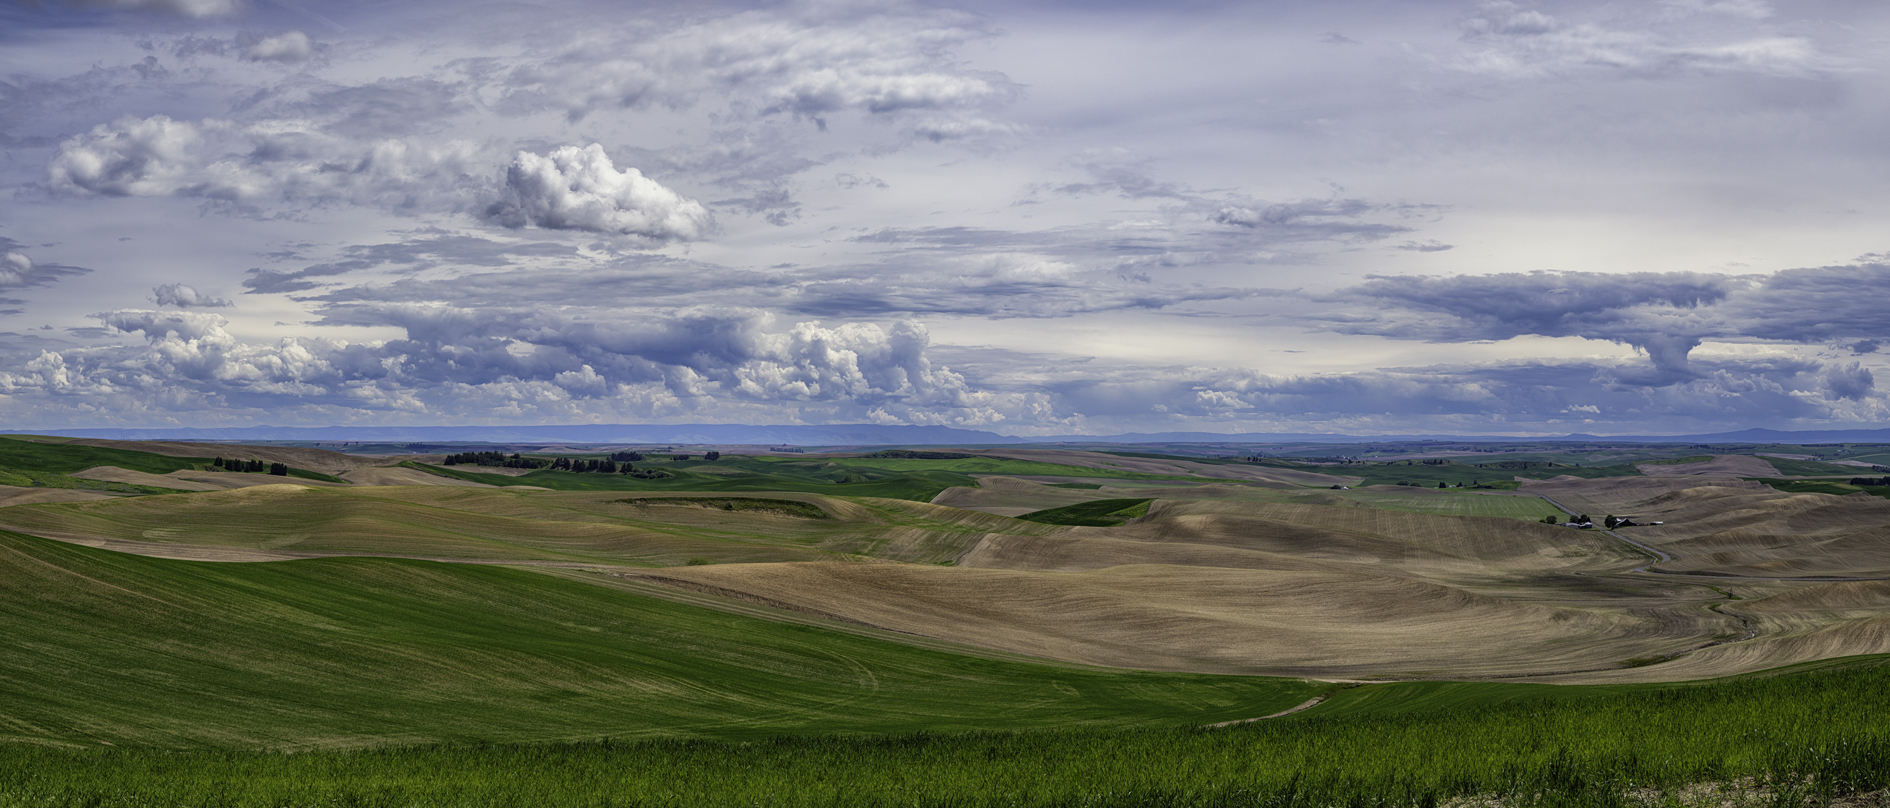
column 1302, row 706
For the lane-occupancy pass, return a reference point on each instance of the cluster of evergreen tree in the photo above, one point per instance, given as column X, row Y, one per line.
column 1870, row 481
column 252, row 466
column 500, row 459
column 626, row 456
column 582, row 466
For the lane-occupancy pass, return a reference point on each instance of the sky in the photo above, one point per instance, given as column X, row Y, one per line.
column 1034, row 218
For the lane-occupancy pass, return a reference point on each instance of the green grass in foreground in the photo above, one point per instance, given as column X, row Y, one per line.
column 1097, row 513
column 1788, row 738
column 106, row 647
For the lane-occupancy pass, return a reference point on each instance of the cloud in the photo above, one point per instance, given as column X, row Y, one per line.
column 181, row 8
column 129, row 157
column 1815, row 304
column 1512, row 41
column 414, row 255
column 809, row 62
column 185, row 296
column 15, row 268
column 1850, row 381
column 1660, row 313
column 522, row 360
column 1425, row 246
column 273, row 162
column 17, row 271
column 576, row 188
column 292, row 46
column 1666, row 315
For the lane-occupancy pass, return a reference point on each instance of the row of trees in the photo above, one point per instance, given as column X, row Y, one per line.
column 252, row 465
column 1870, row 481
column 616, row 463
column 499, row 459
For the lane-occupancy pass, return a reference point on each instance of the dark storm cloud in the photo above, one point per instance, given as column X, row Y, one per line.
column 1547, row 303
column 1666, row 315
column 1816, row 305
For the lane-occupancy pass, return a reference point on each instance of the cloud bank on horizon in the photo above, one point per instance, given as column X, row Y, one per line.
column 1034, row 218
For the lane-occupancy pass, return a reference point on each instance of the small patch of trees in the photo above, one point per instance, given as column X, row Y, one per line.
column 1870, row 481
column 583, row 466
column 626, row 456
column 1552, row 520
column 712, row 456
column 252, row 466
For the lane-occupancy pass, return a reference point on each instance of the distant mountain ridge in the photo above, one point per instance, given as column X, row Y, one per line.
column 876, row 435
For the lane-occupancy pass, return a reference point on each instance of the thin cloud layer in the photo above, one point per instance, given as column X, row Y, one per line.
column 181, row 8
column 290, row 46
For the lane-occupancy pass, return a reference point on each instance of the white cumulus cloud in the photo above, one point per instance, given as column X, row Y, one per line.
column 576, row 188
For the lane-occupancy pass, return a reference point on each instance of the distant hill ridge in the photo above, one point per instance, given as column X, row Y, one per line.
column 872, row 435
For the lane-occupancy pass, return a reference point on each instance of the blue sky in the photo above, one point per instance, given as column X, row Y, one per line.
column 1051, row 218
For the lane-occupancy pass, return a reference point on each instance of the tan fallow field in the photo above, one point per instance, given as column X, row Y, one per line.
column 1246, row 573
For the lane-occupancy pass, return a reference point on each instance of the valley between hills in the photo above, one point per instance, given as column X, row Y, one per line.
column 360, row 600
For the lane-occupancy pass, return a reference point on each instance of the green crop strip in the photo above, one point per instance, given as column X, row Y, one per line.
column 1822, row 487
column 1678, row 461
column 789, row 507
column 1099, row 513
column 1793, row 740
column 891, row 477
column 105, row 647
column 20, row 456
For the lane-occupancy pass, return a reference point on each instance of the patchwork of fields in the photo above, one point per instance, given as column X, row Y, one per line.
column 363, row 605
